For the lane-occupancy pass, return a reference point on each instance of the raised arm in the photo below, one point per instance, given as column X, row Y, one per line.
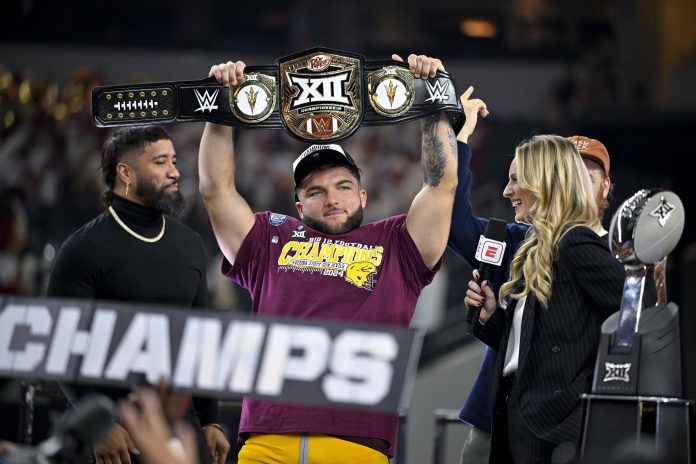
column 429, row 217
column 230, row 214
column 466, row 227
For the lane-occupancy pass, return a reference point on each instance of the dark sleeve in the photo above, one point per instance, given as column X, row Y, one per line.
column 201, row 298
column 466, row 228
column 206, row 409
column 599, row 275
column 74, row 273
column 493, row 331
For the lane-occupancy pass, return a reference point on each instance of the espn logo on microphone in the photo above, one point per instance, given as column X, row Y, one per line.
column 490, row 251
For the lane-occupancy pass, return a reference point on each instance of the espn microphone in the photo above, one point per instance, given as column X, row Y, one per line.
column 489, row 253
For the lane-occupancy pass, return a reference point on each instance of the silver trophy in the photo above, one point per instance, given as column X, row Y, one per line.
column 636, row 391
column 639, row 350
column 643, row 231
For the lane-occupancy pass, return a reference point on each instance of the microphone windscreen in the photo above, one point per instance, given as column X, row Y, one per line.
column 495, row 230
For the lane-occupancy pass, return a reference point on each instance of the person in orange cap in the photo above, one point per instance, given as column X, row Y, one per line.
column 597, row 161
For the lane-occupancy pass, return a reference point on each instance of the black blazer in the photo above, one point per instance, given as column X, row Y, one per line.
column 558, row 345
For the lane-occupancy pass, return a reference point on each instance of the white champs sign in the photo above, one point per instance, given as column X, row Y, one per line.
column 207, row 352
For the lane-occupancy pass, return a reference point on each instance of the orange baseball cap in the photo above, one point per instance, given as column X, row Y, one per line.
column 592, row 149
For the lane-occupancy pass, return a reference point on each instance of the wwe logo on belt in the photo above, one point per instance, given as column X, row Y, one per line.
column 437, row 91
column 206, row 101
column 323, row 124
column 617, row 372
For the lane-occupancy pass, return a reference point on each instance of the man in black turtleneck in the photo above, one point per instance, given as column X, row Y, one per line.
column 136, row 251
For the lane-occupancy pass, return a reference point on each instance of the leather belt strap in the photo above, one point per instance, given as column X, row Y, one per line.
column 315, row 95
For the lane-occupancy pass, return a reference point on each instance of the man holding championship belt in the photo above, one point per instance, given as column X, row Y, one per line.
column 328, row 266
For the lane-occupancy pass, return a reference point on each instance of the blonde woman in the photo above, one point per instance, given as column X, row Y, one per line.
column 545, row 328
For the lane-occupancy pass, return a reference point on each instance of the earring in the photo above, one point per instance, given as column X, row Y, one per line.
column 127, row 185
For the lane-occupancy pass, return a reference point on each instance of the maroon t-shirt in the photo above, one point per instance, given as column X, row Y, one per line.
column 373, row 274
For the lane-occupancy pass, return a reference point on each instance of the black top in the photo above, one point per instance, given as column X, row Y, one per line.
column 558, row 345
column 102, row 261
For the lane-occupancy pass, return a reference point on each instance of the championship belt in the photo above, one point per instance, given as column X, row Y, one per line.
column 315, row 95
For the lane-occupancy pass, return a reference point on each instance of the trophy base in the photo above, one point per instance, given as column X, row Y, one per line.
column 619, row 428
column 651, row 366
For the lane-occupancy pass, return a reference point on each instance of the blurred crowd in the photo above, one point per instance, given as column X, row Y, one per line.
column 48, row 178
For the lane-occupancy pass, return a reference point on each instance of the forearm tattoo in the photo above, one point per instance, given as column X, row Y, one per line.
column 434, row 155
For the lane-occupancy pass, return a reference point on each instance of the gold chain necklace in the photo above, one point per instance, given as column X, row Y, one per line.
column 135, row 234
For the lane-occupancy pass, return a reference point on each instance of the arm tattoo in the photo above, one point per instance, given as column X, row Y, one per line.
column 452, row 139
column 434, row 156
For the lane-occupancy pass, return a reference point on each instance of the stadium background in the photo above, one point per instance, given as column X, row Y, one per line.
column 622, row 71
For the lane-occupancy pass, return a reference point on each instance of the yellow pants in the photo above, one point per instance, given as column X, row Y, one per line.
column 293, row 448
